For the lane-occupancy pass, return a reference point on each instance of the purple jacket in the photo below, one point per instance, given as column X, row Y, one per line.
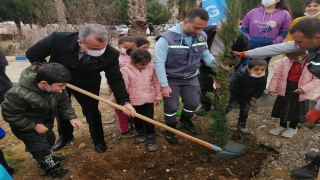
column 264, row 28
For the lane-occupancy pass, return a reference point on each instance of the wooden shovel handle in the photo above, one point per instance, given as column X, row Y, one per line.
column 179, row 133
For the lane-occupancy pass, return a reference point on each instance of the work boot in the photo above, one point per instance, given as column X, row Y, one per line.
column 311, row 155
column 59, row 158
column 187, row 124
column 152, row 142
column 203, row 110
column 309, row 171
column 169, row 136
column 243, row 128
column 57, row 172
column 61, row 143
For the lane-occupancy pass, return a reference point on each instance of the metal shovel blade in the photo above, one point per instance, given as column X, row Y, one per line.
column 232, row 150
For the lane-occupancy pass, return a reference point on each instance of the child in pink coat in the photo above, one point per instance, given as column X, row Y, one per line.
column 144, row 88
column 124, row 43
column 294, row 85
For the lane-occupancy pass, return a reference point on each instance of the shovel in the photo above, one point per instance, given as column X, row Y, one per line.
column 232, row 150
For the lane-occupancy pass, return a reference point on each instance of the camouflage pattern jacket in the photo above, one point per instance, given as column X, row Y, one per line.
column 26, row 105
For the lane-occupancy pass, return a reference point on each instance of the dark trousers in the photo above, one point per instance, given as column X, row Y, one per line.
column 90, row 110
column 188, row 89
column 39, row 145
column 5, row 83
column 206, row 85
column 267, row 69
column 245, row 105
column 141, row 125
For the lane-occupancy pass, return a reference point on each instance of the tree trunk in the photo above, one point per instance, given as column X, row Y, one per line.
column 137, row 31
column 137, row 12
column 62, row 22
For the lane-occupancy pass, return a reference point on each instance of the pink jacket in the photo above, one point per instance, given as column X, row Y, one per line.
column 307, row 82
column 124, row 60
column 143, row 86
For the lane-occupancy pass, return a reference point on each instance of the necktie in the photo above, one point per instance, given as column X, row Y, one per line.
column 83, row 59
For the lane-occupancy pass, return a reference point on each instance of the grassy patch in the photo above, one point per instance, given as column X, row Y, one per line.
column 16, row 164
column 8, row 153
column 14, row 161
column 81, row 116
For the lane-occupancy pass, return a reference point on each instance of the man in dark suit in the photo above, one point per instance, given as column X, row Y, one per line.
column 85, row 54
column 215, row 46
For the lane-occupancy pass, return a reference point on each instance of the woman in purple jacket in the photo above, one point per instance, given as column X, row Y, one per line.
column 267, row 24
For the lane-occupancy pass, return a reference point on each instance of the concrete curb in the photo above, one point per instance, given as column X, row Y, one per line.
column 16, row 58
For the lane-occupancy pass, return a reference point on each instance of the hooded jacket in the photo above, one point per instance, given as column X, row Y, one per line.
column 243, row 84
column 26, row 105
column 182, row 64
column 263, row 28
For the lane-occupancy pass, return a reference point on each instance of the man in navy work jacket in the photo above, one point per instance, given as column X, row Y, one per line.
column 178, row 52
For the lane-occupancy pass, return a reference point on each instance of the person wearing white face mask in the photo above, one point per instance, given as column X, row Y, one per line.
column 85, row 54
column 312, row 10
column 246, row 85
column 124, row 43
column 267, row 24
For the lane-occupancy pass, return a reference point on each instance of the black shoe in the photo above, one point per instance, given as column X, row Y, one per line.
column 306, row 172
column 243, row 128
column 203, row 111
column 311, row 155
column 151, row 142
column 56, row 171
column 59, row 158
column 189, row 126
column 61, row 143
column 171, row 137
column 101, row 148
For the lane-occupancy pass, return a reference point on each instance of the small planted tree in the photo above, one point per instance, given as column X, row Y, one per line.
column 228, row 32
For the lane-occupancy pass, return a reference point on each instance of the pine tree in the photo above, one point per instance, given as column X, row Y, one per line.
column 228, row 32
